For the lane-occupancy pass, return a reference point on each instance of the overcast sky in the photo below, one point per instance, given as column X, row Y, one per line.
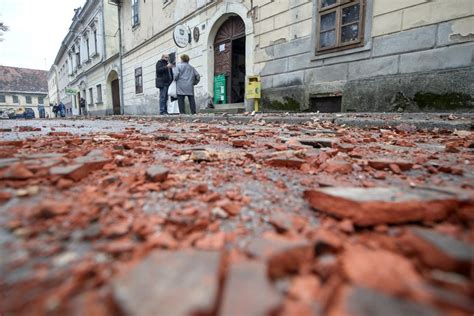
column 37, row 28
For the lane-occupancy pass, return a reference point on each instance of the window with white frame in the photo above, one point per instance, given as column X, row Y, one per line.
column 339, row 24
column 40, row 100
column 99, row 93
column 28, row 99
column 2, row 98
column 135, row 13
column 15, row 99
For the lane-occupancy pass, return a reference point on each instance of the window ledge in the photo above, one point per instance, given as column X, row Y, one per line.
column 342, row 52
column 99, row 103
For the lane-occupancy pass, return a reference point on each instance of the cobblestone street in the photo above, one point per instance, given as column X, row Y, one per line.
column 137, row 216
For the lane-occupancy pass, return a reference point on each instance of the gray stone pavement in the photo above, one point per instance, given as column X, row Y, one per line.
column 430, row 121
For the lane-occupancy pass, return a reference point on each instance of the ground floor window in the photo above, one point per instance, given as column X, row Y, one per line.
column 340, row 24
column 138, row 81
column 99, row 93
column 91, row 97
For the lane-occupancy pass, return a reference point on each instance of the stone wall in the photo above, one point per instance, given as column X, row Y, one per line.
column 411, row 48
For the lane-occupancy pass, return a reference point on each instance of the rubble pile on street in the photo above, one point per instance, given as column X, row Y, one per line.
column 225, row 219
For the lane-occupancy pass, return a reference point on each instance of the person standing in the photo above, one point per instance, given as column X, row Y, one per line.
column 186, row 78
column 55, row 110
column 164, row 76
column 62, row 109
column 82, row 105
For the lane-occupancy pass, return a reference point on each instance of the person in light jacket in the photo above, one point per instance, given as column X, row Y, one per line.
column 186, row 78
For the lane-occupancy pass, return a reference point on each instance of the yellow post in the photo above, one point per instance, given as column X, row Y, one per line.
column 253, row 91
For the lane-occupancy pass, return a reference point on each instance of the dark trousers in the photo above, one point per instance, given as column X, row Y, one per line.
column 164, row 99
column 192, row 103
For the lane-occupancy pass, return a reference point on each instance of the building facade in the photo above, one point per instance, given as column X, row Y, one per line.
column 87, row 64
column 317, row 55
column 22, row 88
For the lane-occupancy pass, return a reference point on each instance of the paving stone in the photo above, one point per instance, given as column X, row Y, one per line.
column 247, row 291
column 282, row 256
column 180, row 283
column 359, row 301
column 157, row 173
column 374, row 206
column 441, row 251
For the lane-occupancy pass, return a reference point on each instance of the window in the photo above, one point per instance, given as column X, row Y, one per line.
column 88, row 48
column 99, row 93
column 91, row 96
column 15, row 99
column 28, row 99
column 78, row 57
column 138, row 81
column 135, row 14
column 40, row 100
column 95, row 42
column 340, row 25
column 2, row 98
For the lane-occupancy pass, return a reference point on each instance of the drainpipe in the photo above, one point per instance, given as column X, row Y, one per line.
column 120, row 57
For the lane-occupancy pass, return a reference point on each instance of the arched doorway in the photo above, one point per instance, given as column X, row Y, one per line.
column 229, row 61
column 113, row 92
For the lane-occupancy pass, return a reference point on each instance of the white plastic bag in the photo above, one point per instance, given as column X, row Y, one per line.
column 173, row 107
column 172, row 90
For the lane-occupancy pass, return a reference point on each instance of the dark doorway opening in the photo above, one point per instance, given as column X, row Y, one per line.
column 325, row 104
column 238, row 70
column 229, row 59
column 116, row 97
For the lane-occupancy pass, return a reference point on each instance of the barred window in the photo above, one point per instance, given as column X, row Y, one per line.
column 340, row 24
column 138, row 81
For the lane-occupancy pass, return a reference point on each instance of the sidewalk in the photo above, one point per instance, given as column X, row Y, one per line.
column 430, row 121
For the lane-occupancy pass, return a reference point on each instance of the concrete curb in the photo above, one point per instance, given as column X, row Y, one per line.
column 421, row 121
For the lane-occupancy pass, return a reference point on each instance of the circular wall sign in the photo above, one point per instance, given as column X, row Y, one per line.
column 181, row 36
column 196, row 34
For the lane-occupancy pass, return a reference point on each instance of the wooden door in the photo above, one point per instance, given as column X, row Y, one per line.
column 232, row 29
column 116, row 97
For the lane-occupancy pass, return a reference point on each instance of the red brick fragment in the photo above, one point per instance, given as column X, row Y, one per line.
column 363, row 267
column 374, row 206
column 283, row 256
column 439, row 251
column 286, row 162
column 157, row 173
column 17, row 171
column 384, row 163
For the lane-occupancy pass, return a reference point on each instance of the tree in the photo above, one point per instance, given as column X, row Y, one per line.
column 3, row 28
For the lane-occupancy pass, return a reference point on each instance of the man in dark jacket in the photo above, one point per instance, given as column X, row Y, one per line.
column 164, row 77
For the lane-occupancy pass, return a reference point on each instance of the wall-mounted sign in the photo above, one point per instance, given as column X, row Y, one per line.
column 196, row 34
column 71, row 91
column 181, row 36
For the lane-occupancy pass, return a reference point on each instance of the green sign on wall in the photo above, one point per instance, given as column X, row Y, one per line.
column 220, row 89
